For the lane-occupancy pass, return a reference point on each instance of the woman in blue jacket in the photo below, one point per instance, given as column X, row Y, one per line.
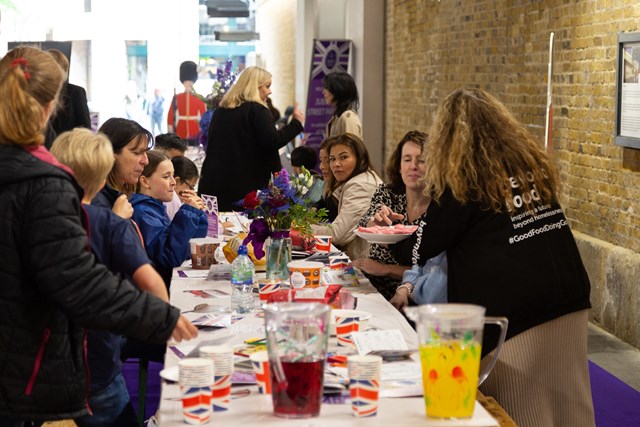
column 166, row 241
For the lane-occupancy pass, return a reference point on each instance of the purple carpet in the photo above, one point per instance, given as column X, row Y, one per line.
column 130, row 371
column 615, row 403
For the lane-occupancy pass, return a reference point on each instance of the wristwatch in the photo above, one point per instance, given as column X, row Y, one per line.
column 408, row 286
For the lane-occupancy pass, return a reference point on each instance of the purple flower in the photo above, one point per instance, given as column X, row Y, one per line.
column 258, row 233
column 281, row 180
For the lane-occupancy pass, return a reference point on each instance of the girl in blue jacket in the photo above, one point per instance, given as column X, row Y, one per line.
column 166, row 241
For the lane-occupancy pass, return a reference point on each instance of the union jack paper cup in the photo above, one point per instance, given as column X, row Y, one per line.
column 339, row 262
column 364, row 384
column 364, row 397
column 221, row 393
column 260, row 363
column 222, row 357
column 323, row 243
column 196, row 404
column 266, row 289
column 345, row 326
column 195, row 377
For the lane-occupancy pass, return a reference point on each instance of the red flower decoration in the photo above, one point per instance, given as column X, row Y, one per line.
column 251, row 200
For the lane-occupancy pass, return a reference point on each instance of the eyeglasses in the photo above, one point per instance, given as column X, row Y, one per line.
column 191, row 187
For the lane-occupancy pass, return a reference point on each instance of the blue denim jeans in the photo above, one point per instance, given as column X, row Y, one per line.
column 110, row 407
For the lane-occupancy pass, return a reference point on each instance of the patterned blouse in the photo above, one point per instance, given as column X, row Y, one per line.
column 398, row 203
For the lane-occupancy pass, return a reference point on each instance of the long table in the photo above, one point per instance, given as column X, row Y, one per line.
column 256, row 409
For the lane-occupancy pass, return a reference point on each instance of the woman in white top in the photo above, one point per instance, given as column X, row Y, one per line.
column 340, row 91
column 352, row 183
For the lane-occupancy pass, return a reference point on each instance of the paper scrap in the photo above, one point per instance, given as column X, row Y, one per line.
column 369, row 341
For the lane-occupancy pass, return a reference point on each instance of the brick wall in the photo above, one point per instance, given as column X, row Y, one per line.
column 275, row 21
column 433, row 47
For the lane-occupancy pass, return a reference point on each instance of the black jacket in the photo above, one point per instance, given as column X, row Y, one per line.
column 51, row 287
column 242, row 152
column 73, row 111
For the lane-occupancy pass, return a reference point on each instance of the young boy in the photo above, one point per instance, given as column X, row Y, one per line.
column 170, row 144
column 115, row 244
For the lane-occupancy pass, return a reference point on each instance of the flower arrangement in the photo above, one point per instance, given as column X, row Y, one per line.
column 282, row 206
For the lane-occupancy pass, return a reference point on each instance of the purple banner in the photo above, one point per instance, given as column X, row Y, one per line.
column 328, row 56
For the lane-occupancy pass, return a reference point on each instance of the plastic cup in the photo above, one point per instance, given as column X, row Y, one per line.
column 260, row 363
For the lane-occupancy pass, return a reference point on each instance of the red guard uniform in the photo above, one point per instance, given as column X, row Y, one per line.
column 190, row 110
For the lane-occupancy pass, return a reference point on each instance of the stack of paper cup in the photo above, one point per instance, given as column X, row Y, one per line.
column 222, row 357
column 345, row 326
column 260, row 363
column 364, row 384
column 196, row 377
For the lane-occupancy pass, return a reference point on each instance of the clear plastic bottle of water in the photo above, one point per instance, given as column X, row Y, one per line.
column 242, row 274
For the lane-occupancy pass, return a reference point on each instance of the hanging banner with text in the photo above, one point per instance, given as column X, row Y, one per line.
column 328, row 56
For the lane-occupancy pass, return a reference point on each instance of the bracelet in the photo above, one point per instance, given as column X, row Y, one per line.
column 407, row 286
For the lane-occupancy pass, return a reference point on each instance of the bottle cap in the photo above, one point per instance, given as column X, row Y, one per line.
column 242, row 250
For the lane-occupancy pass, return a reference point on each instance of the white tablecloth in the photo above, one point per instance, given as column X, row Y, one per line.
column 256, row 409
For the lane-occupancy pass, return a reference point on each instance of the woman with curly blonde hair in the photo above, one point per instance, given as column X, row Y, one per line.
column 495, row 212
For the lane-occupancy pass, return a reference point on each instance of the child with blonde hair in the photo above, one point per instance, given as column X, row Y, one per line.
column 116, row 245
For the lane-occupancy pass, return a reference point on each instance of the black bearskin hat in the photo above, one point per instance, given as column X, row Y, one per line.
column 188, row 71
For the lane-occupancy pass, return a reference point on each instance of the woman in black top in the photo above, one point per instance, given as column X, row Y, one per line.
column 510, row 249
column 243, row 143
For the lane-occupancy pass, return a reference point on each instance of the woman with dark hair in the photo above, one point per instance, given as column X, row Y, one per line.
column 403, row 193
column 351, row 183
column 340, row 91
column 496, row 213
column 130, row 143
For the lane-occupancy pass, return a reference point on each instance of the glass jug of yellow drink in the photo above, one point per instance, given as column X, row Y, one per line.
column 450, row 337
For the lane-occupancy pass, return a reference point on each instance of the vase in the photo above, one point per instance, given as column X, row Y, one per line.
column 278, row 254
